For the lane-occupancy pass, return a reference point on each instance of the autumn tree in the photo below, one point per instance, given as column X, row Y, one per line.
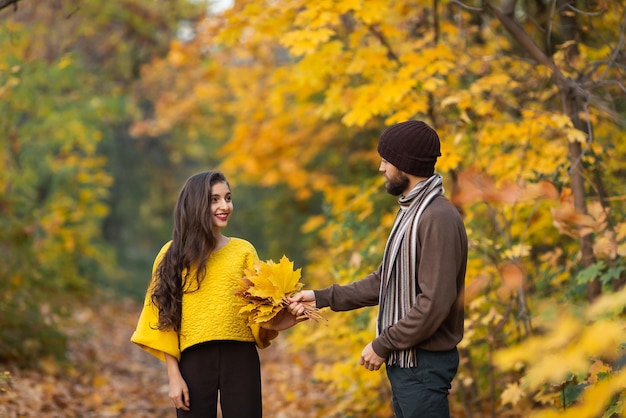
column 528, row 99
column 53, row 192
column 66, row 71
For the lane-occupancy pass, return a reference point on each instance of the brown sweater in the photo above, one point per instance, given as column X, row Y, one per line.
column 435, row 322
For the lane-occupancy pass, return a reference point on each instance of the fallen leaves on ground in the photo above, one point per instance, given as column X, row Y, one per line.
column 108, row 376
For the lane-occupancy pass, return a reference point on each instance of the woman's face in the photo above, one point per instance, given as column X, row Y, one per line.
column 221, row 205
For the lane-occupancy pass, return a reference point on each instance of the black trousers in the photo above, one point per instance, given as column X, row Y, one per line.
column 231, row 368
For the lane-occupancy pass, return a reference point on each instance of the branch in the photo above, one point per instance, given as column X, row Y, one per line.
column 519, row 34
column 616, row 51
column 392, row 55
column 525, row 41
column 7, row 3
column 569, row 6
column 535, row 52
column 614, row 83
column 466, row 7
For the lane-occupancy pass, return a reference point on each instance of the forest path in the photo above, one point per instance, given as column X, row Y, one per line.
column 108, row 376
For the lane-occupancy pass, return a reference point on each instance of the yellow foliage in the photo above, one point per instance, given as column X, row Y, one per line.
column 621, row 248
column 302, row 42
column 371, row 11
column 299, row 89
column 267, row 285
column 512, row 394
column 594, row 400
column 569, row 346
column 575, row 135
column 411, row 104
column 313, row 223
column 64, row 62
column 609, row 305
column 452, row 156
column 517, row 252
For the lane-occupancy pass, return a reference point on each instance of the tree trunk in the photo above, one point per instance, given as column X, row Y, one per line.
column 572, row 108
column 570, row 99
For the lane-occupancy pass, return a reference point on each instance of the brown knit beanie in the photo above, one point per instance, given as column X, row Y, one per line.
column 411, row 146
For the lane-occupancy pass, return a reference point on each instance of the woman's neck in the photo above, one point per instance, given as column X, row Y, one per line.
column 221, row 242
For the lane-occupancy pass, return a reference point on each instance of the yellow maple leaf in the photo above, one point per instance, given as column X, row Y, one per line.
column 512, row 394
column 275, row 281
column 305, row 41
column 287, row 278
column 263, row 286
column 575, row 135
column 265, row 289
column 265, row 313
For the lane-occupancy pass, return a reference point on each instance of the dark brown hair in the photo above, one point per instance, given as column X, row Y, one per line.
column 193, row 240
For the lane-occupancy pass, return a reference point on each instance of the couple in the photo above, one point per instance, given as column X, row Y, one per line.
column 193, row 325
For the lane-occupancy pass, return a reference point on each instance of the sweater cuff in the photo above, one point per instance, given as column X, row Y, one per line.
column 322, row 298
column 379, row 349
column 262, row 337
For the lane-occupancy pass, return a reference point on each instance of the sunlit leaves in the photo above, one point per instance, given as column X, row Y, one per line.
column 62, row 77
column 571, row 345
column 307, row 87
column 512, row 394
column 305, row 41
column 266, row 287
column 575, row 135
column 275, row 281
column 610, row 305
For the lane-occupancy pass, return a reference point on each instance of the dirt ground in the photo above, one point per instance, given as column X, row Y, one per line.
column 108, row 376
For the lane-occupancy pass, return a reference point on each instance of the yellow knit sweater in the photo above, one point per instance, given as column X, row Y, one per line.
column 210, row 313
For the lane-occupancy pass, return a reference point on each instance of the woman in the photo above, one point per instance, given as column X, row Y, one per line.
column 190, row 317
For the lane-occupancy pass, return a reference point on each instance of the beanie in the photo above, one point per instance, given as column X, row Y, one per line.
column 411, row 146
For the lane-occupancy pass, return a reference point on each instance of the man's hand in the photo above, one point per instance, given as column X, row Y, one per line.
column 369, row 359
column 299, row 302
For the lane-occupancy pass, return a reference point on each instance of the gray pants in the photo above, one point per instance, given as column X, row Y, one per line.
column 422, row 391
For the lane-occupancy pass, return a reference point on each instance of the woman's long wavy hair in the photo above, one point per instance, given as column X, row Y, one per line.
column 193, row 240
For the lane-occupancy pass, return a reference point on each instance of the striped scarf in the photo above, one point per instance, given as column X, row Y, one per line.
column 399, row 288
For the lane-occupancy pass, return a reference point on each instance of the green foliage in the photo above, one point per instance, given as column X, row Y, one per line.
column 64, row 82
column 52, row 192
column 591, row 273
column 83, row 202
column 571, row 391
column 599, row 270
column 27, row 333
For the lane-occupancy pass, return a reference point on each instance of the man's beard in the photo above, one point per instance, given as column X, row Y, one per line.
column 397, row 184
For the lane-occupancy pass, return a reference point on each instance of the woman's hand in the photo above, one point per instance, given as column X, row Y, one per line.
column 283, row 320
column 179, row 392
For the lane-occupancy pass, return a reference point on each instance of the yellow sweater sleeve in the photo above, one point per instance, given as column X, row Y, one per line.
column 262, row 337
column 152, row 340
column 146, row 335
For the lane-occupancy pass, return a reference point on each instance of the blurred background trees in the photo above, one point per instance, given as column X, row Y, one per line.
column 107, row 108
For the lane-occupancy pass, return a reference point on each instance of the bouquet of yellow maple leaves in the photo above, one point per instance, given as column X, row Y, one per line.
column 266, row 287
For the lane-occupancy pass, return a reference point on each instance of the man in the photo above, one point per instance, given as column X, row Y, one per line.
column 419, row 284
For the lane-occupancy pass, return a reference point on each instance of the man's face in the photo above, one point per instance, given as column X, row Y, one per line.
column 397, row 181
